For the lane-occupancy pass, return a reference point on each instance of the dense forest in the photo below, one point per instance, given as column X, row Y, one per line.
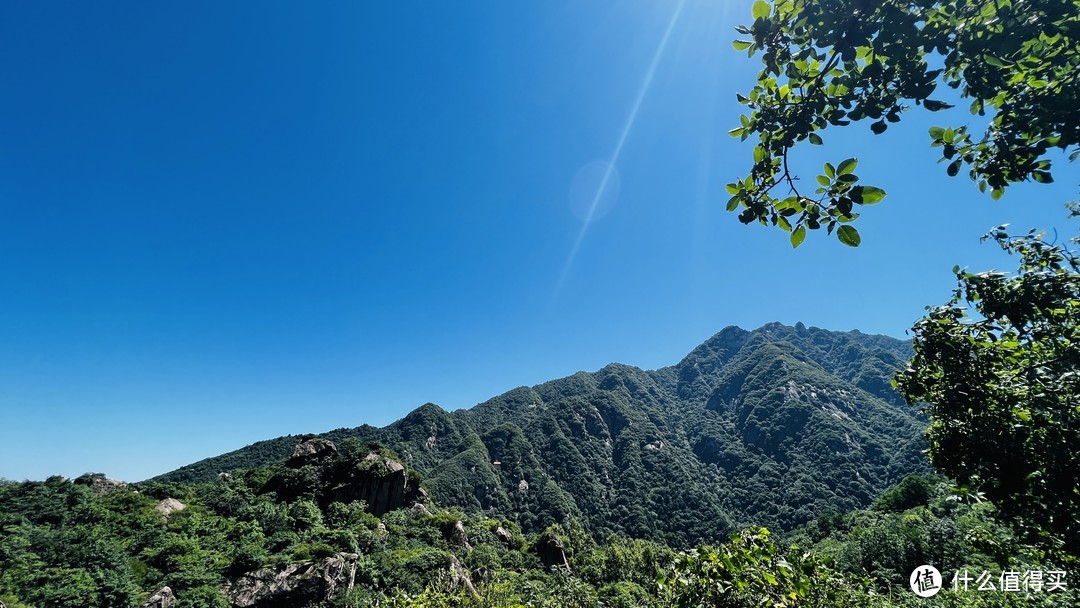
column 768, row 467
column 296, row 534
column 766, row 427
column 779, row 467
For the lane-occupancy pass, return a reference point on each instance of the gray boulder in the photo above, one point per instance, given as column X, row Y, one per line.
column 292, row 585
column 163, row 598
column 458, row 538
column 311, row 451
column 378, row 481
column 504, row 535
column 169, row 506
column 552, row 552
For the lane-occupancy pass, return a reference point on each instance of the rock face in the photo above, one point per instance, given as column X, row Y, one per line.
column 312, row 451
column 378, row 481
column 459, row 577
column 164, row 598
column 169, row 506
column 293, row 585
column 458, row 538
column 98, row 482
column 504, row 535
column 552, row 552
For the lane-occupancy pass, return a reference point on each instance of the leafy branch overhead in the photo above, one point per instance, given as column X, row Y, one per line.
column 835, row 62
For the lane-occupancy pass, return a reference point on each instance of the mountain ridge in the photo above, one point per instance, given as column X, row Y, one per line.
column 772, row 426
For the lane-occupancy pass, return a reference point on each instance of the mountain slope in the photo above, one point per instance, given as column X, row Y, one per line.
column 771, row 427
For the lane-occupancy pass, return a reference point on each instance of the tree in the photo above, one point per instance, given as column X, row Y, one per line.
column 836, row 62
column 1002, row 388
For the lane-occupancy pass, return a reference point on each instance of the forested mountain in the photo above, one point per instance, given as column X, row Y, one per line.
column 582, row 492
column 770, row 427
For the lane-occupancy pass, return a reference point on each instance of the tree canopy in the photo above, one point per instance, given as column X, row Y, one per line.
column 1002, row 383
column 838, row 62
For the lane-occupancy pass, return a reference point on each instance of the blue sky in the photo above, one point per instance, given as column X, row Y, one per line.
column 220, row 224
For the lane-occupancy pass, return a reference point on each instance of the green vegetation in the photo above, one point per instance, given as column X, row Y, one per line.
column 86, row 543
column 1002, row 389
column 791, row 428
column 770, row 427
column 836, row 62
column 635, row 484
column 998, row 381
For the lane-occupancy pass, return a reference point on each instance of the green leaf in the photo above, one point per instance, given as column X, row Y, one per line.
column 814, row 139
column 1043, row 177
column 798, row 236
column 741, row 45
column 847, row 166
column 849, row 236
column 830, row 170
column 937, row 132
column 878, row 127
column 872, row 194
column 761, row 9
column 933, row 105
column 733, row 203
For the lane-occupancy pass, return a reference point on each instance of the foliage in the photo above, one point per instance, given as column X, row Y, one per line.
column 67, row 544
column 767, row 427
column 1002, row 386
column 883, row 546
column 752, row 571
column 835, row 62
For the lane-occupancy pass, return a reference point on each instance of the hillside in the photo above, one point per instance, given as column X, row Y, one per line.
column 771, row 427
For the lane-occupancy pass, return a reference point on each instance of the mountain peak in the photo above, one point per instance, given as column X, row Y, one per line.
column 765, row 427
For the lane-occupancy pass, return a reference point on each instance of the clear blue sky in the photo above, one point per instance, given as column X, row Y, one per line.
column 221, row 223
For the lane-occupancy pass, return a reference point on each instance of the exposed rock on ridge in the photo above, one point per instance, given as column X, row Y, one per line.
column 293, row 585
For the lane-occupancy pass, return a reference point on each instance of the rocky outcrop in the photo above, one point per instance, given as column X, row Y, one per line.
column 293, row 585
column 552, row 552
column 379, row 481
column 459, row 577
column 312, row 451
column 169, row 506
column 163, row 598
column 98, row 482
column 504, row 535
column 458, row 538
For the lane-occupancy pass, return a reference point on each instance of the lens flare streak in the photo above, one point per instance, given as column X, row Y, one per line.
column 630, row 120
